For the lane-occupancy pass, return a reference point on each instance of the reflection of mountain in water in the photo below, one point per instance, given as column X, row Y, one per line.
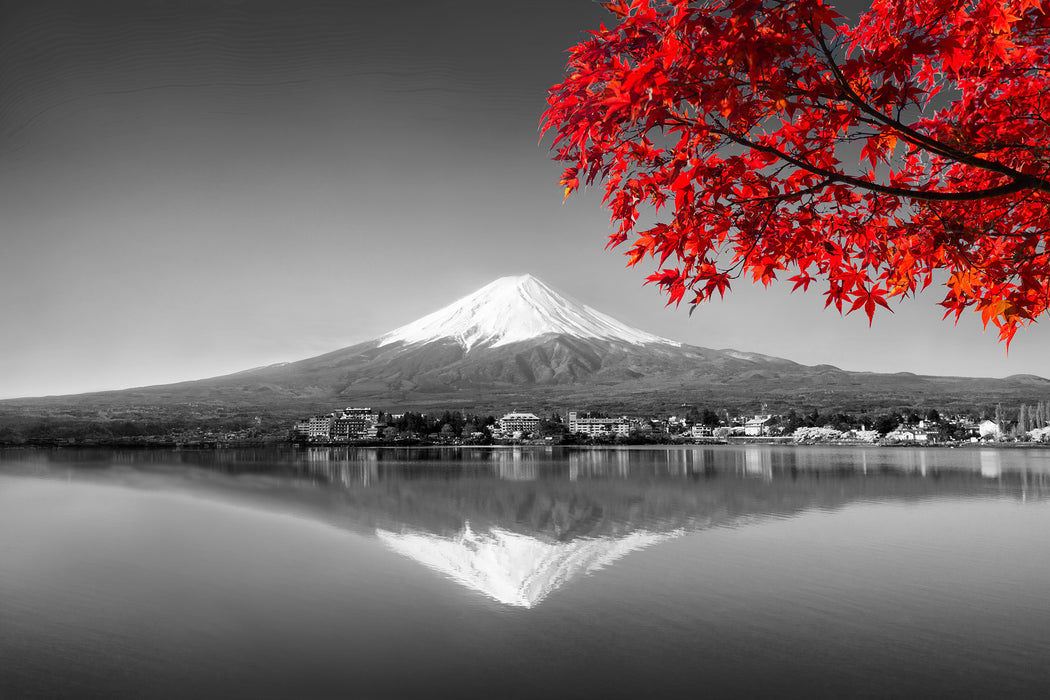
column 517, row 524
column 512, row 568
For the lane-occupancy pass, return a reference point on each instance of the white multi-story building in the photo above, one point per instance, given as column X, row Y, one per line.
column 701, row 432
column 358, row 422
column 319, row 427
column 519, row 422
column 598, row 426
column 364, row 413
column 340, row 426
column 759, row 425
column 990, row 430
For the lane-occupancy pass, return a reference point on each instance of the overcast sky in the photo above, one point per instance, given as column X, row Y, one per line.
column 191, row 188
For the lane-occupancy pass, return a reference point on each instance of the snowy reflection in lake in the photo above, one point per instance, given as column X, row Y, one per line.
column 516, row 572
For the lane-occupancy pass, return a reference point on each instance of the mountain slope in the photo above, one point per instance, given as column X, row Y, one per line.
column 519, row 343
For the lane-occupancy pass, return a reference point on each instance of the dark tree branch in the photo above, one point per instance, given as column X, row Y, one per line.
column 989, row 193
column 919, row 139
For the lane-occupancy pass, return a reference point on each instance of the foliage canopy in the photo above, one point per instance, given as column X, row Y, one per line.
column 762, row 136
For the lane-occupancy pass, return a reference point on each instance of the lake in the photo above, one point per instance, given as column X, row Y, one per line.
column 722, row 571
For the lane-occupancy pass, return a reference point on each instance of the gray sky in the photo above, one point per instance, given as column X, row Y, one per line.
column 191, row 188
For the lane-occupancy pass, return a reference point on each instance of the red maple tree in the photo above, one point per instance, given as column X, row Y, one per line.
column 761, row 136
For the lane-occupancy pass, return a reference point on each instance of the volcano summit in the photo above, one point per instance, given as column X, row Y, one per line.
column 516, row 309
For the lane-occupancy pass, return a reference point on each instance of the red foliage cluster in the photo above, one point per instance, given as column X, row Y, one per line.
column 875, row 158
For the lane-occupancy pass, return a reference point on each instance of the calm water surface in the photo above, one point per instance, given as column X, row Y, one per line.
column 363, row 573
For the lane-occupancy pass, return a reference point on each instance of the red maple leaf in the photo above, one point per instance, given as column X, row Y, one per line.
column 737, row 125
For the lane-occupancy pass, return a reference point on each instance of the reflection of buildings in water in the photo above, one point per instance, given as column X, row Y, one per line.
column 991, row 464
column 517, row 471
column 516, row 464
column 343, row 465
column 762, row 461
column 601, row 463
column 914, row 459
column 512, row 568
column 693, row 460
column 1032, row 484
column 1035, row 485
column 757, row 462
column 124, row 458
column 678, row 461
column 579, row 463
column 751, row 460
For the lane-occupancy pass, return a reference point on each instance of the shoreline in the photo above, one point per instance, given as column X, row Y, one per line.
column 207, row 446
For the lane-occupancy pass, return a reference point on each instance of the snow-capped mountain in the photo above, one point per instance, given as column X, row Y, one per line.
column 515, row 332
column 518, row 342
column 512, row 568
column 512, row 310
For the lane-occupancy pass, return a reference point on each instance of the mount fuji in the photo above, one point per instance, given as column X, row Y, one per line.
column 514, row 339
column 517, row 342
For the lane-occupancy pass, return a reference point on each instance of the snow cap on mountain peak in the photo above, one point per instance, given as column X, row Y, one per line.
column 512, row 309
column 524, row 278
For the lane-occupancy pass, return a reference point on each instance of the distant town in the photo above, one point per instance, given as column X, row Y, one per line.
column 1027, row 424
column 202, row 427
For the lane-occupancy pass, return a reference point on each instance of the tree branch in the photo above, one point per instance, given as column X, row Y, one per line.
column 973, row 195
column 919, row 139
